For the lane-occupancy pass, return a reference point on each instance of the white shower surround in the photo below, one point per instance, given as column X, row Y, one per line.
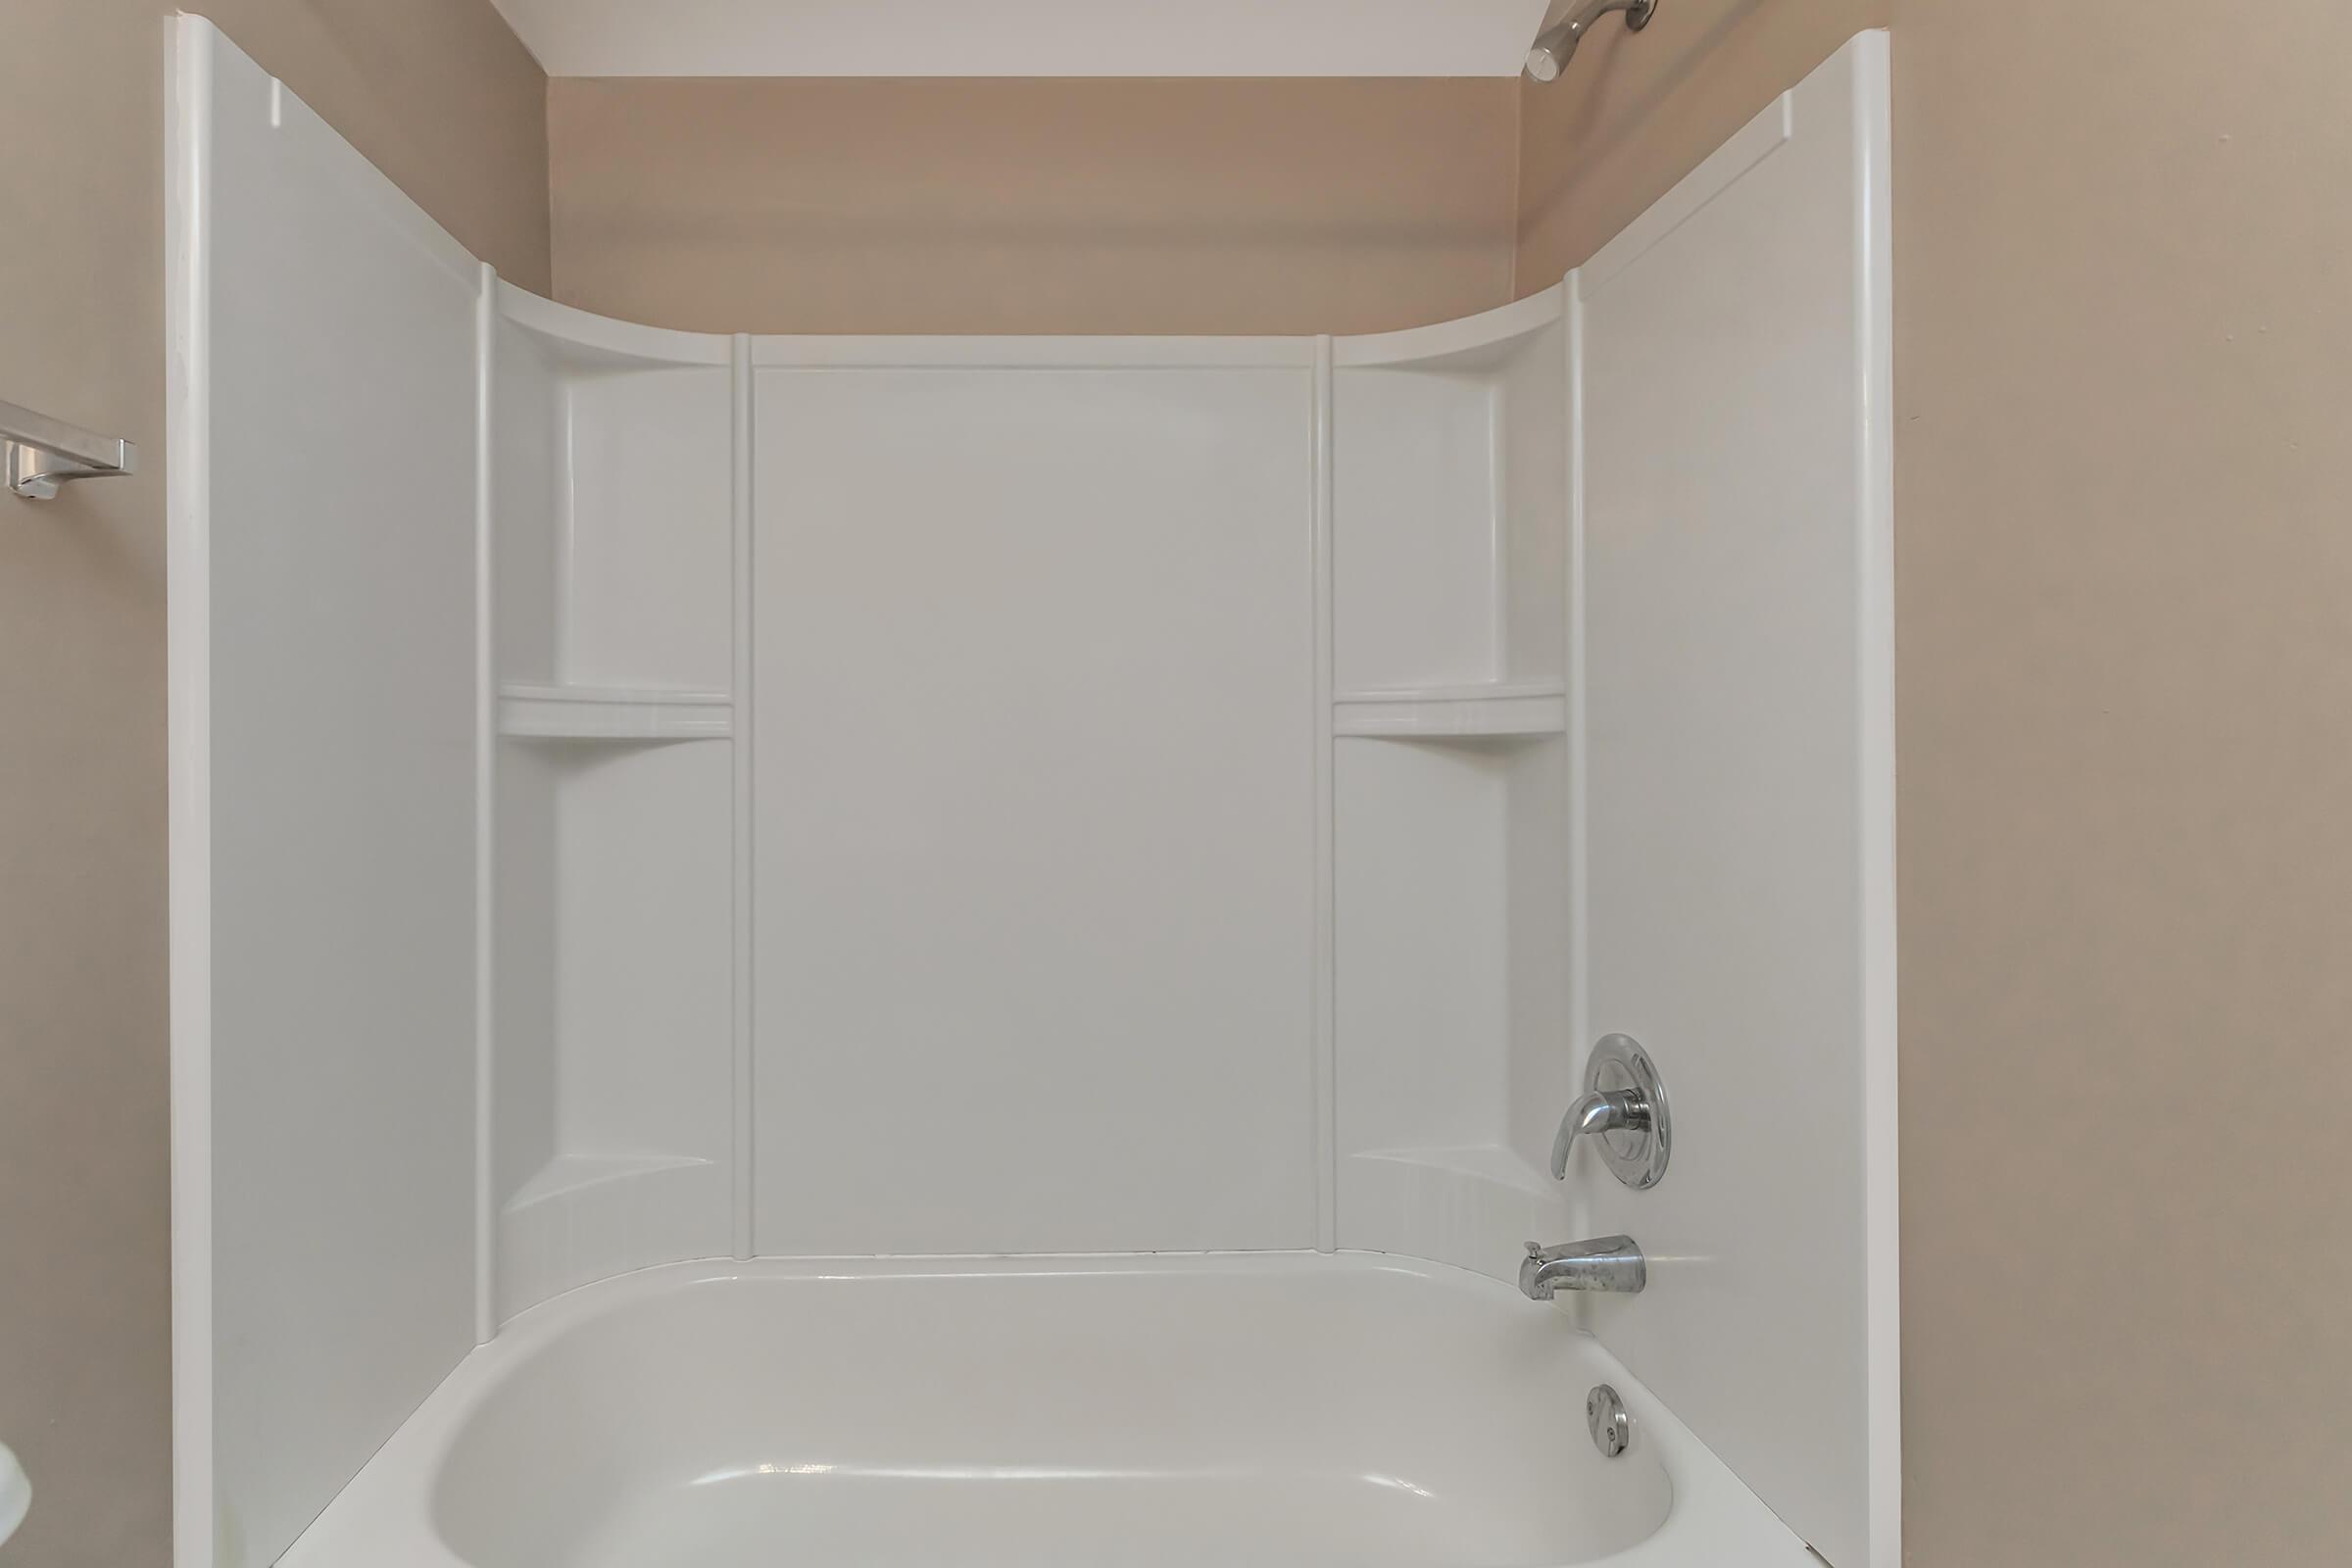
column 853, row 872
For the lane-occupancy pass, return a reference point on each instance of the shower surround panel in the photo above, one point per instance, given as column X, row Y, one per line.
column 648, row 798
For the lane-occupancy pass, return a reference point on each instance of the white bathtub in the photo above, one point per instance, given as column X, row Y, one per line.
column 1225, row 1409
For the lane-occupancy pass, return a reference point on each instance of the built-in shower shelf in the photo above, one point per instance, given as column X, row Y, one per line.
column 613, row 713
column 583, row 1217
column 571, row 1173
column 1464, row 713
column 1473, row 1205
column 1491, row 1163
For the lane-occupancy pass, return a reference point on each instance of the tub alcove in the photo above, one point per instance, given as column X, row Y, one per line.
column 968, row 950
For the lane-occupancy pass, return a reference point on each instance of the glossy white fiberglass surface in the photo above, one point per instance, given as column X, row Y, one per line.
column 1250, row 1407
column 865, row 741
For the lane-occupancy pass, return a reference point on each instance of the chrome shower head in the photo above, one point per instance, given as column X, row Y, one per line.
column 1556, row 46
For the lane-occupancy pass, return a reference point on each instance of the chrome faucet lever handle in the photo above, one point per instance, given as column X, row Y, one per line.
column 1603, row 1110
column 1624, row 1106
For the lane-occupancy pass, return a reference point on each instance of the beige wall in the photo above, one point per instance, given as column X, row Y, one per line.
column 440, row 94
column 1635, row 111
column 861, row 205
column 2124, row 542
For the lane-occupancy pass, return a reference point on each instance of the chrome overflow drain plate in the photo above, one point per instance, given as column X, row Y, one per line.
column 1606, row 1418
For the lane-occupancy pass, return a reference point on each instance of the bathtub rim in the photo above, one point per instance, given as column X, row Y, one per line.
column 383, row 1517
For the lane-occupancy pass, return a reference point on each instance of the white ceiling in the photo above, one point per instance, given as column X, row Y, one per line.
column 1026, row 38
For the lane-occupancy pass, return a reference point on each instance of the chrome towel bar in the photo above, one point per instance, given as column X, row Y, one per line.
column 39, row 453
